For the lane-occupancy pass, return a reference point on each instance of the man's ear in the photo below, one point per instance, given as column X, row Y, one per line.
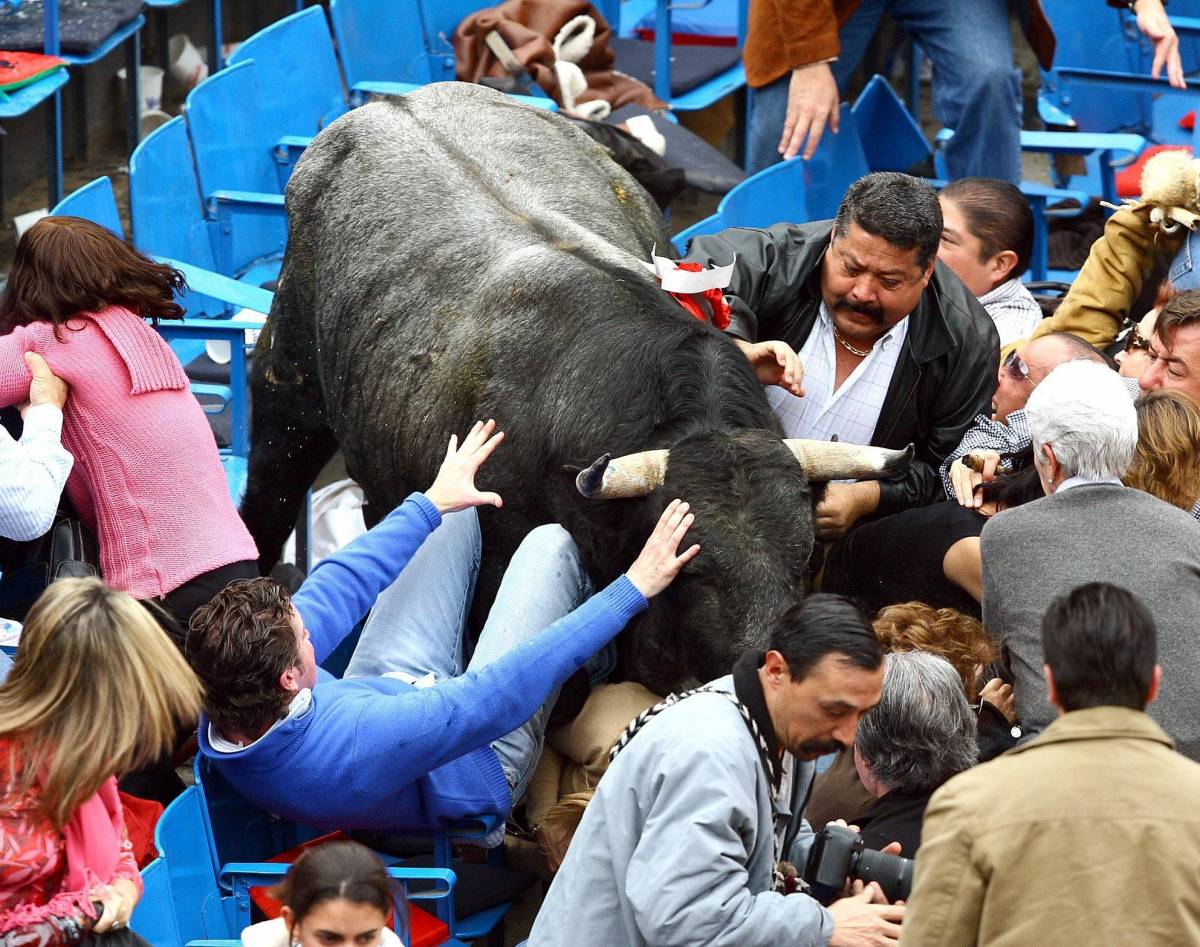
column 776, row 668
column 289, row 680
column 928, row 274
column 1155, row 680
column 1051, row 687
column 1052, row 464
column 1002, row 266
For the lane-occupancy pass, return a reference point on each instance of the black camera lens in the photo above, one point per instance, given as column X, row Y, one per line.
column 891, row 872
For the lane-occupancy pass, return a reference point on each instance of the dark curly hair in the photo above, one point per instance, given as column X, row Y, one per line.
column 67, row 265
column 238, row 645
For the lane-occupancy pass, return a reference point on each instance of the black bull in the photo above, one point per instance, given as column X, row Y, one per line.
column 454, row 256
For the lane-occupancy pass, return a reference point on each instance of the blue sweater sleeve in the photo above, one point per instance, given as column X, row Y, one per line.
column 341, row 588
column 416, row 732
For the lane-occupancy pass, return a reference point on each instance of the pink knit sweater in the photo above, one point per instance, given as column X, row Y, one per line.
column 147, row 474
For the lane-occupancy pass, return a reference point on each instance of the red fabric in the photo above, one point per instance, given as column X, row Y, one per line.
column 646, row 34
column 1129, row 179
column 46, row 873
column 141, row 816
column 1188, row 122
column 424, row 930
column 147, row 476
column 18, row 68
column 717, row 311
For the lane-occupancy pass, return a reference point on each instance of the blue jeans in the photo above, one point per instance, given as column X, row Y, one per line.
column 1185, row 268
column 416, row 627
column 976, row 89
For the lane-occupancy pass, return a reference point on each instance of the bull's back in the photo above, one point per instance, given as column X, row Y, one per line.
column 439, row 242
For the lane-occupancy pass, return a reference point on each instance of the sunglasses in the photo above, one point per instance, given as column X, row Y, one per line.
column 1135, row 340
column 1017, row 367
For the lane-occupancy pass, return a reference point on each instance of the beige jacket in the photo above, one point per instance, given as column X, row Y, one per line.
column 1117, row 265
column 1089, row 834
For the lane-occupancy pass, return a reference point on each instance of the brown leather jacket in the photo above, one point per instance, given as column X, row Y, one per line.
column 785, row 34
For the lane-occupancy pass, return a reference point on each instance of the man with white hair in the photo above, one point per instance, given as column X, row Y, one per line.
column 1091, row 528
column 920, row 734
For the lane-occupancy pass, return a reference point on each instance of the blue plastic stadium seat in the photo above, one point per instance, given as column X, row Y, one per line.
column 233, row 143
column 95, row 202
column 891, row 138
column 775, row 195
column 299, row 84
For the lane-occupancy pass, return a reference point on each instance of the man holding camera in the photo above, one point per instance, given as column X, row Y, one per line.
column 1089, row 833
column 690, row 836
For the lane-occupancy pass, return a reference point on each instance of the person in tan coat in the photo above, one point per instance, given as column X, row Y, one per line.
column 1089, row 834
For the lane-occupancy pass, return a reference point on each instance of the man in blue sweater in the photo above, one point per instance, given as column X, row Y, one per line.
column 408, row 739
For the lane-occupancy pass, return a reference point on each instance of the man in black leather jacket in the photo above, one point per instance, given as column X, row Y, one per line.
column 854, row 280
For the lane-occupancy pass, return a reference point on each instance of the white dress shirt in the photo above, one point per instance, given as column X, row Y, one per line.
column 852, row 411
column 32, row 474
column 1081, row 481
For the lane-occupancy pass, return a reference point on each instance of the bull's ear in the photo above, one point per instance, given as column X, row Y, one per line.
column 631, row 475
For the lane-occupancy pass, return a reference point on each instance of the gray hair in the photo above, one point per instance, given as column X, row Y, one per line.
column 922, row 731
column 1085, row 413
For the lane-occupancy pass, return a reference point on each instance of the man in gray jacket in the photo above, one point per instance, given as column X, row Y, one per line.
column 1091, row 528
column 705, row 796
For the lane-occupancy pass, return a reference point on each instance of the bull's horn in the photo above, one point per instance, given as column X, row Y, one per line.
column 832, row 460
column 633, row 475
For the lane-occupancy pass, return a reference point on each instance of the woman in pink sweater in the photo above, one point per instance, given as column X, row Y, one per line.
column 147, row 477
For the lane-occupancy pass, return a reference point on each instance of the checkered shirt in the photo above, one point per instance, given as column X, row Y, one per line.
column 1015, row 312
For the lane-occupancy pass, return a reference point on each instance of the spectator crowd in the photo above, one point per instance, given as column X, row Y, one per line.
column 981, row 721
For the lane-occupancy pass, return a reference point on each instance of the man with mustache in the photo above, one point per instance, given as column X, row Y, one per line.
column 893, row 348
column 704, row 800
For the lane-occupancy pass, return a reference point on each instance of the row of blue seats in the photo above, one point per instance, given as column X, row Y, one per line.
column 213, row 847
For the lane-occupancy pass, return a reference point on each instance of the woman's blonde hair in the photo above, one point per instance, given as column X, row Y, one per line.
column 97, row 689
column 959, row 638
column 1166, row 462
column 558, row 827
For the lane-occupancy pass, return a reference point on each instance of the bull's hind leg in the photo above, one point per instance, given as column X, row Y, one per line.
column 287, row 452
column 290, row 440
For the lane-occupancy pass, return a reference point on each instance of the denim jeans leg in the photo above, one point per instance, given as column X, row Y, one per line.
column 766, row 124
column 976, row 89
column 418, row 621
column 769, row 111
column 543, row 582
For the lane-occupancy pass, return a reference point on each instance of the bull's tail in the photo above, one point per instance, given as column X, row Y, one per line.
column 290, row 438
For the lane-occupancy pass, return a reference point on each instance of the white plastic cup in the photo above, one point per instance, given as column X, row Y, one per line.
column 150, row 88
column 188, row 65
column 219, row 350
column 155, row 118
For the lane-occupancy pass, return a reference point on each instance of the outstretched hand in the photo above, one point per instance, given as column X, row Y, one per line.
column 658, row 563
column 775, row 363
column 454, row 487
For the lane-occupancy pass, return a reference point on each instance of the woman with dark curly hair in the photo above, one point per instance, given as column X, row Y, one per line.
column 147, row 476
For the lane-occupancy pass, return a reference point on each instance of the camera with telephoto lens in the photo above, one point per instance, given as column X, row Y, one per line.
column 838, row 855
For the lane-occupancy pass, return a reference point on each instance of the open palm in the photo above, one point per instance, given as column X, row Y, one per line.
column 454, row 487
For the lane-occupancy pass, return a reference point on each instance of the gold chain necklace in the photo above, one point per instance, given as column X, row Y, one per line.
column 861, row 353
